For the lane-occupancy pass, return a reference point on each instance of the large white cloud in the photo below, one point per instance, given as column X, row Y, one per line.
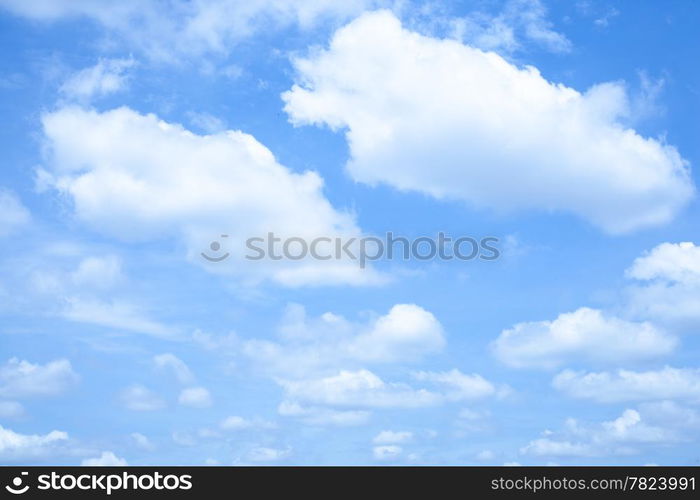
column 583, row 335
column 626, row 385
column 452, row 121
column 135, row 176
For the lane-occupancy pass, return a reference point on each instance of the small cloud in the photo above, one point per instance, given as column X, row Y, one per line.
column 195, row 397
column 16, row 446
column 388, row 452
column 142, row 441
column 391, row 437
column 264, row 454
column 106, row 77
column 140, row 398
column 13, row 214
column 11, row 409
column 171, row 363
column 106, row 459
column 23, row 379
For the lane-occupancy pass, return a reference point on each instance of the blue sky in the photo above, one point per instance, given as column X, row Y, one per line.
column 136, row 133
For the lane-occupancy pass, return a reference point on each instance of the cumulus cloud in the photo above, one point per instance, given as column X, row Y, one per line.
column 104, row 78
column 22, row 379
column 140, row 398
column 446, row 119
column 627, row 385
column 667, row 287
column 134, row 176
column 583, row 335
column 406, row 333
column 167, row 30
column 13, row 214
column 195, row 397
column 106, row 459
column 16, row 446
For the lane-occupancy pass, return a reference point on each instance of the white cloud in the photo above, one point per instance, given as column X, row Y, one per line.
column 101, row 272
column 626, row 385
column 668, row 286
column 458, row 386
column 142, row 441
column 546, row 447
column 452, row 121
column 175, row 366
column 90, row 292
column 621, row 436
column 237, row 423
column 364, row 389
column 140, row 398
column 668, row 262
column 322, row 417
column 134, row 176
column 195, row 397
column 519, row 21
column 360, row 389
column 392, row 437
column 206, row 122
column 11, row 409
column 115, row 314
column 406, row 333
column 583, row 335
column 105, row 77
column 15, row 446
column 170, row 30
column 106, row 459
column 387, row 452
column 183, row 438
column 13, row 214
column 20, row 379
column 265, row 454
